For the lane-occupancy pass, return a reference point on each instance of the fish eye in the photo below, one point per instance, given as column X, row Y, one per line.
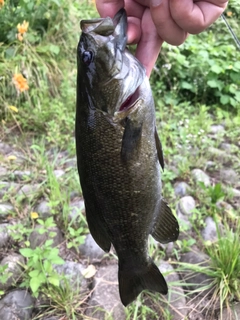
column 87, row 57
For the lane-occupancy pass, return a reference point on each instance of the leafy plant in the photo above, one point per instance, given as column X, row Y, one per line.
column 39, row 268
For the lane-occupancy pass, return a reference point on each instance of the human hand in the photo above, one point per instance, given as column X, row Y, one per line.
column 150, row 22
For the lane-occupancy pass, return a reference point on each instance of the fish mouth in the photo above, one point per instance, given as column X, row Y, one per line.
column 130, row 101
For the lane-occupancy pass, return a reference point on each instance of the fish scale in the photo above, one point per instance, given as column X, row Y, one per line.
column 119, row 155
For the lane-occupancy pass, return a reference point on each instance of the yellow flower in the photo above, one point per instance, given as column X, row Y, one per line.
column 13, row 108
column 11, row 158
column 20, row 82
column 20, row 37
column 1, row 3
column 34, row 215
column 22, row 28
column 229, row 13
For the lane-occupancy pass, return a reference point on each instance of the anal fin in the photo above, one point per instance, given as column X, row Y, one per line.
column 166, row 228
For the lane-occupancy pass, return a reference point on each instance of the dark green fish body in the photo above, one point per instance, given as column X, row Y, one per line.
column 119, row 155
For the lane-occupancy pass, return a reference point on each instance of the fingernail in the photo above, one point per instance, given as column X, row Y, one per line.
column 156, row 3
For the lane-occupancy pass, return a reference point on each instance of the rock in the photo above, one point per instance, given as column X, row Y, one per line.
column 186, row 205
column 222, row 156
column 58, row 173
column 5, row 210
column 71, row 163
column 4, row 235
column 21, row 175
column 200, row 176
column 36, row 239
column 209, row 233
column 197, row 280
column 105, row 301
column 229, row 147
column 210, row 165
column 3, row 173
column 75, row 214
column 232, row 313
column 235, row 193
column 175, row 298
column 5, row 148
column 8, row 187
column 13, row 270
column 29, row 190
column 43, row 209
column 16, row 305
column 224, row 205
column 90, row 249
column 184, row 210
column 215, row 129
column 72, row 271
column 181, row 189
column 229, row 176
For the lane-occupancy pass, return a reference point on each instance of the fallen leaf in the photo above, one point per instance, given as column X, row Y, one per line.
column 89, row 272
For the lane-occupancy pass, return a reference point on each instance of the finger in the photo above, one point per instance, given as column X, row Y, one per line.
column 108, row 8
column 194, row 17
column 150, row 43
column 167, row 28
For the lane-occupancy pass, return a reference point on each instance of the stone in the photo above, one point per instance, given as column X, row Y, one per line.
column 36, row 239
column 232, row 313
column 105, row 301
column 222, row 156
column 5, row 148
column 90, row 249
column 197, row 280
column 43, row 209
column 17, row 304
column 4, row 235
column 209, row 233
column 21, row 175
column 8, row 187
column 75, row 215
column 224, row 206
column 72, row 271
column 58, row 173
column 3, row 173
column 175, row 297
column 229, row 176
column 6, row 209
column 186, row 205
column 215, row 129
column 235, row 193
column 210, row 165
column 200, row 176
column 29, row 190
column 181, row 189
column 13, row 270
column 71, row 163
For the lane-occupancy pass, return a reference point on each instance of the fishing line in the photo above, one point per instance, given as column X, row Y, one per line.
column 231, row 31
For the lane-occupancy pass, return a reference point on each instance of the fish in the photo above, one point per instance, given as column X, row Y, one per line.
column 119, row 155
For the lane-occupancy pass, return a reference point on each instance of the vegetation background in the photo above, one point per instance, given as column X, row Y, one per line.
column 197, row 83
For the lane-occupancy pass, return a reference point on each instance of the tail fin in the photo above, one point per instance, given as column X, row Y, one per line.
column 132, row 282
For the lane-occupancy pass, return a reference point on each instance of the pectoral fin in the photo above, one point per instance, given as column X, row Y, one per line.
column 166, row 228
column 97, row 228
column 159, row 149
column 131, row 139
